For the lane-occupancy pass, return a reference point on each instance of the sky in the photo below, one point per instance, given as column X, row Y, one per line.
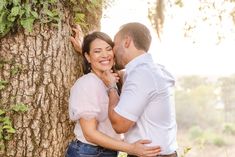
column 177, row 53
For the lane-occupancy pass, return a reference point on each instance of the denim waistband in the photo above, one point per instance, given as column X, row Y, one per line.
column 99, row 148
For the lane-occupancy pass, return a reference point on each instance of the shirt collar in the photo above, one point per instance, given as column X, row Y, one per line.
column 143, row 58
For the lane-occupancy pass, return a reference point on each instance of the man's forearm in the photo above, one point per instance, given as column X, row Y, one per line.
column 113, row 101
column 119, row 123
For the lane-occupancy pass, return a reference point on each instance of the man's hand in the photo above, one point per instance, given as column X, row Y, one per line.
column 76, row 40
column 109, row 78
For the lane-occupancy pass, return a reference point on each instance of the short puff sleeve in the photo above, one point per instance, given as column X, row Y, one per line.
column 84, row 100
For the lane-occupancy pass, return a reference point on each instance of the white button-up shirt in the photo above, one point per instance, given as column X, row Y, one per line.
column 147, row 98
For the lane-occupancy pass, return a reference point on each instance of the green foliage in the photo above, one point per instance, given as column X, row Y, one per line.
column 229, row 128
column 179, row 3
column 20, row 107
column 2, row 62
column 195, row 132
column 185, row 152
column 206, row 137
column 227, row 87
column 24, row 13
column 193, row 97
column 3, row 84
column 6, row 127
column 15, row 69
column 86, row 12
column 218, row 141
column 191, row 82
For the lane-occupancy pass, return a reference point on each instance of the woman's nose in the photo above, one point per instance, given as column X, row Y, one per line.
column 104, row 54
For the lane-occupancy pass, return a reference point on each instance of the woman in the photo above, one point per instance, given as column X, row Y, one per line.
column 88, row 106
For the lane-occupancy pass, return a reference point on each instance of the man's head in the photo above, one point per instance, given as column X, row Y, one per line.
column 131, row 40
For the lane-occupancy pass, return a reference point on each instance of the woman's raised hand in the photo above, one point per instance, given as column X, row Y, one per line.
column 77, row 38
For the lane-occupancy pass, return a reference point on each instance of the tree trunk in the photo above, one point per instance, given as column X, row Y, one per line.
column 40, row 67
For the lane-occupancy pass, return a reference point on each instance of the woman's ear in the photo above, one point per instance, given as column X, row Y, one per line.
column 87, row 57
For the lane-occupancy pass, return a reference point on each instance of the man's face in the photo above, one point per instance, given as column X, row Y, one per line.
column 118, row 50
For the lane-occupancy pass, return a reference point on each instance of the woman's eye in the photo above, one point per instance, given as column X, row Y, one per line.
column 97, row 51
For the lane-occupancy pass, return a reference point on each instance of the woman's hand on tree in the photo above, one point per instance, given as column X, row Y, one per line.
column 77, row 38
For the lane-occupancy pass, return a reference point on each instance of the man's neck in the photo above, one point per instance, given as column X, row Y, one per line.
column 134, row 55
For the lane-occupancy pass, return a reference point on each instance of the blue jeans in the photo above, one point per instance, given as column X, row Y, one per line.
column 80, row 149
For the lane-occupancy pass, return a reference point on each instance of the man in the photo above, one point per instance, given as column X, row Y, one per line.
column 145, row 109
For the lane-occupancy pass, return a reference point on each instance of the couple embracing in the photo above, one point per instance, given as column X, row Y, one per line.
column 143, row 108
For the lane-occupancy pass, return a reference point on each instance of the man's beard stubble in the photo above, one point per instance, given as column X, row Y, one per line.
column 118, row 66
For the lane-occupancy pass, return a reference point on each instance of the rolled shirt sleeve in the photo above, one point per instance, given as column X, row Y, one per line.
column 136, row 93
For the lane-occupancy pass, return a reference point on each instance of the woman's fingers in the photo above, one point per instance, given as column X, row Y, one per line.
column 76, row 44
column 77, row 29
column 148, row 151
column 76, row 39
column 152, row 151
column 143, row 141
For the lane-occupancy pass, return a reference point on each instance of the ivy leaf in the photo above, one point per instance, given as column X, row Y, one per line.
column 2, row 112
column 9, row 129
column 21, row 12
column 15, row 11
column 49, row 13
column 35, row 1
column 27, row 10
column 6, row 121
column 7, row 137
column 3, row 83
column 2, row 17
column 16, row 2
column 11, row 18
column 19, row 107
column 35, row 14
column 27, row 24
column 79, row 17
column 2, row 28
column 2, row 4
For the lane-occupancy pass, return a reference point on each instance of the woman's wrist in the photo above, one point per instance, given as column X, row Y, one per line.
column 112, row 87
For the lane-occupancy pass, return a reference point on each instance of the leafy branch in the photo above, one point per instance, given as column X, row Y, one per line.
column 16, row 14
column 21, row 13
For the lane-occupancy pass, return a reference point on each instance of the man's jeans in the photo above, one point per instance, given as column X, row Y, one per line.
column 79, row 149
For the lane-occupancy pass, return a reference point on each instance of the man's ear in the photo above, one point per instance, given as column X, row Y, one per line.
column 128, row 41
column 87, row 57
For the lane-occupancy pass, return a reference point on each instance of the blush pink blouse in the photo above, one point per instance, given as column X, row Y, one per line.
column 89, row 99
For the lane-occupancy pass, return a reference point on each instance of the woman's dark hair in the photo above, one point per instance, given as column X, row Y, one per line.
column 86, row 45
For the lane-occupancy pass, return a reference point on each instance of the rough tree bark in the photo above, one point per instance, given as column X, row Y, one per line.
column 48, row 67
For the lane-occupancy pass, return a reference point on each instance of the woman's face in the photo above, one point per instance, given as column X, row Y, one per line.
column 100, row 56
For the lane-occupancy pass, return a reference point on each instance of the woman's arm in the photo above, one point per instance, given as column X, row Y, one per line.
column 90, row 132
